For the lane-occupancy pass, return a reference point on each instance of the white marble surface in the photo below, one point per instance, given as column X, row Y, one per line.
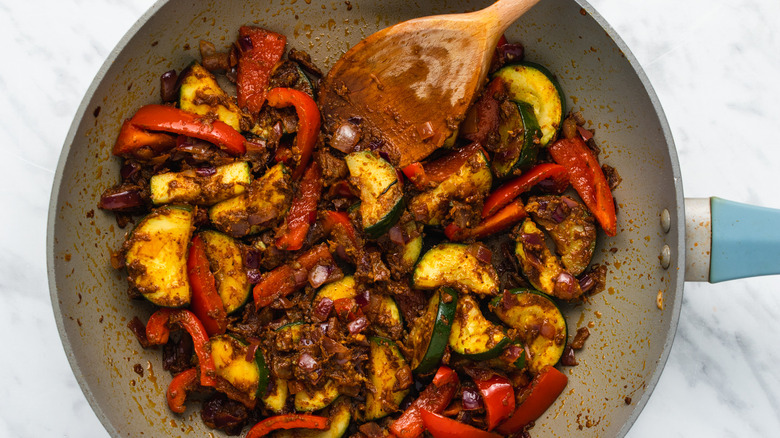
column 715, row 65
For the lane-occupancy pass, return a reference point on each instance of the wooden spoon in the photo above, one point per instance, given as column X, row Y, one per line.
column 408, row 86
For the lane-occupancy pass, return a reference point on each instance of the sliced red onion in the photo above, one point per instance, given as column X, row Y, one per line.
column 121, row 201
column 319, row 275
column 358, row 325
column 307, row 362
column 245, row 43
column 547, row 330
column 482, row 253
column 396, row 235
column 332, row 347
column 565, row 284
column 300, row 276
column 346, row 137
column 568, row 358
column 252, row 258
column 129, row 170
column 586, row 134
column 168, row 81
column 471, row 399
column 568, row 201
column 355, row 120
column 511, row 52
column 532, row 239
column 254, row 344
column 321, row 311
column 362, row 299
column 206, row 171
column 254, row 276
column 512, row 353
column 559, row 215
column 587, row 282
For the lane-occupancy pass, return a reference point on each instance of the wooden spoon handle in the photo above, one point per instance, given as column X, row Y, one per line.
column 501, row 14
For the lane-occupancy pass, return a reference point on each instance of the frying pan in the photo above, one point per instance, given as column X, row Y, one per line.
column 631, row 335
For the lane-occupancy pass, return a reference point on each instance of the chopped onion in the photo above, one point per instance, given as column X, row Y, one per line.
column 245, row 43
column 363, row 298
column 300, row 276
column 254, row 276
column 531, row 239
column 471, row 399
column 121, row 201
column 319, row 275
column 322, row 310
column 168, row 82
column 307, row 362
column 129, row 170
column 547, row 330
column 358, row 325
column 346, row 137
column 206, row 171
column 396, row 235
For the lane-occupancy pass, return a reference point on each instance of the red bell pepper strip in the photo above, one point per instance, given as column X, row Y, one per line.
column 512, row 189
column 288, row 421
column 505, row 218
column 282, row 281
column 333, row 220
column 169, row 119
column 158, row 330
column 206, row 303
column 308, row 121
column 131, row 139
column 434, row 398
column 415, row 173
column 498, row 397
column 483, row 118
column 545, row 388
column 303, row 211
column 180, row 385
column 259, row 51
column 443, row 427
column 588, row 180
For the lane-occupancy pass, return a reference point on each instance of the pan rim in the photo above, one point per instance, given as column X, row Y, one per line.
column 675, row 270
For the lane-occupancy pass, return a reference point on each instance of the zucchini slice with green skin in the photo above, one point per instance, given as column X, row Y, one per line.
column 541, row 267
column 473, row 336
column 321, row 398
column 248, row 379
column 381, row 195
column 535, row 85
column 430, row 333
column 276, row 398
column 201, row 94
column 344, row 288
column 156, row 256
column 451, row 264
column 289, row 335
column 227, row 263
column 266, row 200
column 520, row 138
column 539, row 323
column 473, row 178
column 385, row 316
column 339, row 414
column 385, row 362
column 188, row 187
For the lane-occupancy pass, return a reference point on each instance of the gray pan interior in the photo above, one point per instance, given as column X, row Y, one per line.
column 631, row 336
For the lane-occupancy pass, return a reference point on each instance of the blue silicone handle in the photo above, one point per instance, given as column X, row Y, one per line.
column 745, row 240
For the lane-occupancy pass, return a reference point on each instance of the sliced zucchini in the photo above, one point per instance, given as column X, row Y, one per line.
column 451, row 264
column 276, row 398
column 473, row 178
column 386, row 319
column 339, row 414
column 539, row 323
column 314, row 401
column 190, row 187
column 381, row 195
column 541, row 267
column 472, row 335
column 430, row 333
column 248, row 379
column 227, row 264
column 201, row 94
column 289, row 335
column 385, row 362
column 344, row 288
column 411, row 252
column 156, row 256
column 520, row 137
column 535, row 85
column 266, row 200
column 571, row 227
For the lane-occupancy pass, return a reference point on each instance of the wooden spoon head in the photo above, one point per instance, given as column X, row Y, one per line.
column 409, row 85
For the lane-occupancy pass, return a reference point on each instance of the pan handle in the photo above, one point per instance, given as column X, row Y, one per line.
column 726, row 240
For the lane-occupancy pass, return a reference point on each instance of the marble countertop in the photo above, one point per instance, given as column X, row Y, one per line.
column 713, row 63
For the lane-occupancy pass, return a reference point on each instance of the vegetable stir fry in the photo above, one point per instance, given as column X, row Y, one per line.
column 305, row 285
